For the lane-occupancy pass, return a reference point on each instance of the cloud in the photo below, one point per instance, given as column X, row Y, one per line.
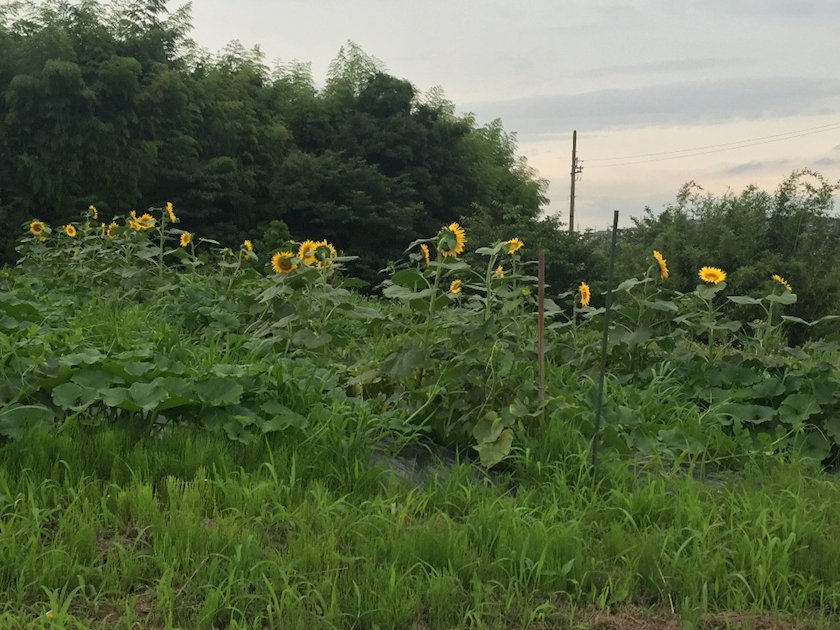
column 827, row 161
column 755, row 165
column 711, row 101
column 660, row 67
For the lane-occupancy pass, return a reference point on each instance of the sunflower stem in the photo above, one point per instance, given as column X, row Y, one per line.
column 160, row 253
column 432, row 301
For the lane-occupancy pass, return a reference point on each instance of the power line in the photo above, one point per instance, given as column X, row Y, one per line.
column 735, row 145
column 727, row 147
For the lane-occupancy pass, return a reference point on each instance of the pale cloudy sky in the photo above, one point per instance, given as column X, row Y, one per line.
column 676, row 78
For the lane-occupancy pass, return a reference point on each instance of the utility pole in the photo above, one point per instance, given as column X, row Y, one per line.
column 577, row 168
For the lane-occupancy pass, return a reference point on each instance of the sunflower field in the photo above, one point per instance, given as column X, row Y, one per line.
column 200, row 436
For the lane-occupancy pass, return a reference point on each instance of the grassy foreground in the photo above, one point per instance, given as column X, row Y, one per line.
column 192, row 438
column 102, row 528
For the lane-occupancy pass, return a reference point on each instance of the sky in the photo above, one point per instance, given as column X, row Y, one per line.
column 726, row 93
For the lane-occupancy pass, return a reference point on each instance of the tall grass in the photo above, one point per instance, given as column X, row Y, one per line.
column 99, row 528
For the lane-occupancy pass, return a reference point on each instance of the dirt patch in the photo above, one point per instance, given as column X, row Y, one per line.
column 630, row 618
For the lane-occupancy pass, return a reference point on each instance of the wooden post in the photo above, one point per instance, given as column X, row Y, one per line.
column 541, row 329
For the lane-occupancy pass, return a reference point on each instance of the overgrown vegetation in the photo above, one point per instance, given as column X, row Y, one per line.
column 113, row 105
column 239, row 411
column 205, row 424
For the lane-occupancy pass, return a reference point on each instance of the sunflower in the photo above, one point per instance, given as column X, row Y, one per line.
column 102, row 230
column 514, row 245
column 281, row 262
column 94, row 213
column 37, row 228
column 663, row 265
column 248, row 245
column 186, row 239
column 324, row 254
column 455, row 287
column 425, row 249
column 451, row 240
column 113, row 225
column 783, row 282
column 306, row 252
column 70, row 230
column 585, row 294
column 500, row 273
column 143, row 222
column 712, row 275
column 171, row 213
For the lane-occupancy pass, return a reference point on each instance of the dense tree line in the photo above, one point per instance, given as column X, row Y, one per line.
column 113, row 105
column 793, row 232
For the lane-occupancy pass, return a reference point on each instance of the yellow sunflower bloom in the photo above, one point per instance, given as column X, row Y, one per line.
column 585, row 294
column 663, row 265
column 514, row 245
column 70, row 230
column 102, row 230
column 425, row 249
column 94, row 213
column 783, row 282
column 324, row 254
column 455, row 287
column 306, row 252
column 712, row 275
column 281, row 262
column 451, row 240
column 248, row 245
column 144, row 222
column 171, row 213
column 186, row 239
column 500, row 273
column 111, row 227
column 37, row 228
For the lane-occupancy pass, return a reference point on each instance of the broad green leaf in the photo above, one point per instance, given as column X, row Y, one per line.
column 812, row 445
column 488, row 428
column 409, row 278
column 310, row 340
column 630, row 283
column 782, row 298
column 768, row 388
column 96, row 378
column 218, row 391
column 491, row 453
column 798, row 408
column 661, row 305
column 799, row 320
column 364, row 313
column 708, row 291
column 118, row 397
column 743, row 299
column 73, row 396
column 147, row 396
column 754, row 414
column 18, row 420
column 832, row 427
column 281, row 418
column 396, row 292
column 85, row 356
column 738, row 375
column 237, row 432
column 400, row 365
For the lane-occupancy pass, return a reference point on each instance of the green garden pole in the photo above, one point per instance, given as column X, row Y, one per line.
column 605, row 336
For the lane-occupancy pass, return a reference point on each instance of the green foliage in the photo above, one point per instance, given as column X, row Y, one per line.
column 112, row 105
column 753, row 235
